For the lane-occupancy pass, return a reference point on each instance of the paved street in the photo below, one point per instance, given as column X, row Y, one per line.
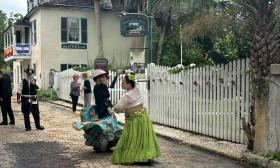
column 59, row 145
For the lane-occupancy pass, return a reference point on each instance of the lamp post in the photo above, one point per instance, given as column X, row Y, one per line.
column 149, row 31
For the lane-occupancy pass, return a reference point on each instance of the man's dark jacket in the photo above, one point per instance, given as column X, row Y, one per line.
column 5, row 86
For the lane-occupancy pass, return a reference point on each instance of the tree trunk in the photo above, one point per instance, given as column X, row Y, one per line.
column 98, row 28
column 160, row 43
column 261, row 127
column 263, row 47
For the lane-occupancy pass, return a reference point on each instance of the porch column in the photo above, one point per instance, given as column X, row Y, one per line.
column 13, row 39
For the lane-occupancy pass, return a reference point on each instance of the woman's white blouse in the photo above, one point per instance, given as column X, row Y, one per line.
column 129, row 100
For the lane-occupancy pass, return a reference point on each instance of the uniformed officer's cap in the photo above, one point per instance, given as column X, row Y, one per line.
column 29, row 71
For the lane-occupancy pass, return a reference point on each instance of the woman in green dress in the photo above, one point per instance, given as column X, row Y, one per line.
column 138, row 142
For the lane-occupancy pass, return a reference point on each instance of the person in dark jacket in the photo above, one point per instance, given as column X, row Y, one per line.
column 27, row 96
column 101, row 92
column 5, row 99
column 87, row 90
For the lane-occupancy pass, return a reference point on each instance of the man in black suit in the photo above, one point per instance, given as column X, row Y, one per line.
column 5, row 99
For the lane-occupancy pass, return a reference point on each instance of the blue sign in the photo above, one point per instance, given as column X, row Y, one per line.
column 132, row 27
column 22, row 48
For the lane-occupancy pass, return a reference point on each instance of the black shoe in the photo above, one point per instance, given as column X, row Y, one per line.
column 97, row 150
column 3, row 123
column 109, row 150
column 28, row 129
column 41, row 128
column 11, row 123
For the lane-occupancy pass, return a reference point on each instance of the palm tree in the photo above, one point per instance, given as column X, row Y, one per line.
column 129, row 5
column 98, row 27
column 264, row 44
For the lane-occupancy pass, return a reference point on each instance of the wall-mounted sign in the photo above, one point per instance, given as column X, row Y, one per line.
column 22, row 48
column 101, row 63
column 132, row 27
column 74, row 46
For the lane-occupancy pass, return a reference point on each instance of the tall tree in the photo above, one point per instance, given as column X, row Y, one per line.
column 3, row 26
column 98, row 28
column 14, row 17
column 264, row 44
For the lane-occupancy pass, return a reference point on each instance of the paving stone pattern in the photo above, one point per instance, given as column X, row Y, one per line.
column 60, row 146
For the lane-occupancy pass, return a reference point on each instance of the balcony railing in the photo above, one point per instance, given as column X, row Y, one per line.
column 17, row 51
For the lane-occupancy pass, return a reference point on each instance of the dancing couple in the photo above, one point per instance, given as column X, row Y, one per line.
column 137, row 142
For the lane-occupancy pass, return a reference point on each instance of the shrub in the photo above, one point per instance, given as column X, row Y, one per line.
column 47, row 94
column 273, row 156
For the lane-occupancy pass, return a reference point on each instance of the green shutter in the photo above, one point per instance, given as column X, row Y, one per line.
column 84, row 30
column 64, row 29
column 35, row 32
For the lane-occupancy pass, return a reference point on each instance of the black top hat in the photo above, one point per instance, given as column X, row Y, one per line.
column 29, row 71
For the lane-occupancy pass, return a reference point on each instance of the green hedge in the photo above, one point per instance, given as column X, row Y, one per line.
column 47, row 95
column 273, row 156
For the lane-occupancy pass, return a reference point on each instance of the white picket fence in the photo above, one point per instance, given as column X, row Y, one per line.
column 63, row 79
column 208, row 100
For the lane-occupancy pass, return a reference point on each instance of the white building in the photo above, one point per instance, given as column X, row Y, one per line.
column 60, row 34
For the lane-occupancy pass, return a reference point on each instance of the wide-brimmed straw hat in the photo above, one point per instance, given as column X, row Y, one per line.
column 98, row 72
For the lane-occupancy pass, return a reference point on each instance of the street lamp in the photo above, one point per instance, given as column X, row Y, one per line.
column 149, row 37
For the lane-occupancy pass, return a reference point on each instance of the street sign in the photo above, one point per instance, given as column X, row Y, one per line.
column 133, row 27
column 101, row 63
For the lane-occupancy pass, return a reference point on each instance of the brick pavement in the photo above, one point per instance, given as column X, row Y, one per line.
column 59, row 145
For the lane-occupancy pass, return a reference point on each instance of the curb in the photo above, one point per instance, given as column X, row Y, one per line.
column 257, row 161
column 236, row 158
column 52, row 102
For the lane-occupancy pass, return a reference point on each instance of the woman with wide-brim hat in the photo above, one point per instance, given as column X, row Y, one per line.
column 102, row 131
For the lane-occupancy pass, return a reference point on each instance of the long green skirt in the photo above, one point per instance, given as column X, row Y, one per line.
column 138, row 142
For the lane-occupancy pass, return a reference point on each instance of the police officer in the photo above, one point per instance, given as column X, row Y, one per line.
column 27, row 95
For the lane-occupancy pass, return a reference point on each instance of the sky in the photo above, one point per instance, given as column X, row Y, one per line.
column 16, row 6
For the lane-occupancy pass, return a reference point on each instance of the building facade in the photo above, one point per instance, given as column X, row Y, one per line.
column 59, row 34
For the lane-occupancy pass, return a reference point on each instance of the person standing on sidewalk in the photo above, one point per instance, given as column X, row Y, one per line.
column 87, row 90
column 75, row 92
column 27, row 96
column 5, row 99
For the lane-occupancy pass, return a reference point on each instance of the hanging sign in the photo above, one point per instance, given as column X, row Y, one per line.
column 133, row 27
column 101, row 63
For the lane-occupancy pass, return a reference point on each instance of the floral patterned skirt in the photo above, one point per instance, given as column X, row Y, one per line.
column 99, row 133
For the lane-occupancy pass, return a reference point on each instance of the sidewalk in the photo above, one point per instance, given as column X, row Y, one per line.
column 224, row 148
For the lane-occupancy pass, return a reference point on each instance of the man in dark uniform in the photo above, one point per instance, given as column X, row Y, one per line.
column 5, row 99
column 27, row 95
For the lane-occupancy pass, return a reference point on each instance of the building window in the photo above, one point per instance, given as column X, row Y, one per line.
column 73, row 26
column 34, row 68
column 34, row 32
column 73, row 30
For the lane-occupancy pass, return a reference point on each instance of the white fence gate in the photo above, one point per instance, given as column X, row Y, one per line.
column 209, row 100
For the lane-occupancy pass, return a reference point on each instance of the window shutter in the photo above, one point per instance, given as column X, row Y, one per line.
column 63, row 67
column 84, row 30
column 26, row 31
column 35, row 32
column 63, row 29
